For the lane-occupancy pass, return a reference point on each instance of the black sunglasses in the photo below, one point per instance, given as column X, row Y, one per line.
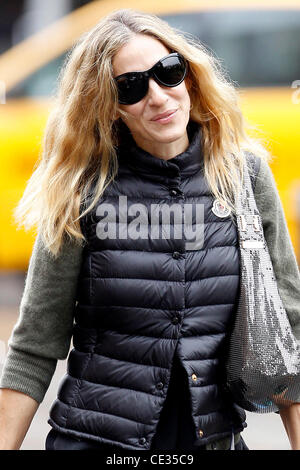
column 169, row 71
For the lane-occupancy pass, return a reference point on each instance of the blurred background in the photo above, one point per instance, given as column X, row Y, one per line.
column 258, row 44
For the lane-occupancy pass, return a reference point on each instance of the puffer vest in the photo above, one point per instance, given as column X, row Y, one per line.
column 144, row 298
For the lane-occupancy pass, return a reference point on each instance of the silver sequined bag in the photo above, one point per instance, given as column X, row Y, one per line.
column 263, row 364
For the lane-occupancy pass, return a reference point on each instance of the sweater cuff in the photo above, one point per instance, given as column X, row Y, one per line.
column 27, row 373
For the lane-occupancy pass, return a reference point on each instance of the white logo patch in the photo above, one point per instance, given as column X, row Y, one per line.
column 219, row 209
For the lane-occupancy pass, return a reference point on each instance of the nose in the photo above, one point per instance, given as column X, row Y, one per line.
column 156, row 92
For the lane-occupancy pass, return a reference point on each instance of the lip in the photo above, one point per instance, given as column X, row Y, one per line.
column 164, row 115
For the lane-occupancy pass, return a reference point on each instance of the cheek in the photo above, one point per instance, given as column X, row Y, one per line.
column 134, row 114
column 181, row 94
column 133, row 110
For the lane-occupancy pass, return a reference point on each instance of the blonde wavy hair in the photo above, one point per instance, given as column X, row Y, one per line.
column 81, row 136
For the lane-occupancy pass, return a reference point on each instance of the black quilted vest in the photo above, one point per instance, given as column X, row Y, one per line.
column 142, row 299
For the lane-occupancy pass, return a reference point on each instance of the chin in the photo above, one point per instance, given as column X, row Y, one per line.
column 171, row 134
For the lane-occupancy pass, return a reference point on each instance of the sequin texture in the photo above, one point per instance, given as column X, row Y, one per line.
column 263, row 363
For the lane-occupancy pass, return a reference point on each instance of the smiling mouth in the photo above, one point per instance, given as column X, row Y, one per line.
column 166, row 118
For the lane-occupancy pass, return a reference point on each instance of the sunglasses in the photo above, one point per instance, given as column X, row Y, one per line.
column 169, row 71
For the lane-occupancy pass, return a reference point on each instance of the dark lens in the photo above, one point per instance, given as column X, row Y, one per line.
column 171, row 70
column 131, row 88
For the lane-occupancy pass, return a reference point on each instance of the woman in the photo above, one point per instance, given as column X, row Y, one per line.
column 144, row 119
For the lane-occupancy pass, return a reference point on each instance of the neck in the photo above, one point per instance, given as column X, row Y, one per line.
column 162, row 150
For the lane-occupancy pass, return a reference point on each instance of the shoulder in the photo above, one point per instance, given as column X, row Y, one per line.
column 261, row 175
column 265, row 188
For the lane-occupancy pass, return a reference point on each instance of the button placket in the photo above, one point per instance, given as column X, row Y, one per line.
column 176, row 192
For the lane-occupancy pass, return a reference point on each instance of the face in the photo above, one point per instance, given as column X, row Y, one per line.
column 163, row 139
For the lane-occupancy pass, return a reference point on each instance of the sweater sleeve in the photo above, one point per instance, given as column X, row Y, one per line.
column 279, row 244
column 43, row 332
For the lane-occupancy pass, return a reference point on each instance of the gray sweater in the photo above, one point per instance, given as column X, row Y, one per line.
column 43, row 332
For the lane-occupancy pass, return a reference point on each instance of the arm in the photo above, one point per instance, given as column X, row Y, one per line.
column 286, row 271
column 291, row 420
column 16, row 413
column 41, row 336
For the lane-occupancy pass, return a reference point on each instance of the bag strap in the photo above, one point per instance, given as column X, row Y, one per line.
column 254, row 163
column 248, row 217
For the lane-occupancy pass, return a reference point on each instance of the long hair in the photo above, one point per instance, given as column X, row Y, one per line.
column 82, row 133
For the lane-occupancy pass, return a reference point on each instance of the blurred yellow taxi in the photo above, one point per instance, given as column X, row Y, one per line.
column 257, row 42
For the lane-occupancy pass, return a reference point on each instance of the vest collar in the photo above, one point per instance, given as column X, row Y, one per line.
column 179, row 167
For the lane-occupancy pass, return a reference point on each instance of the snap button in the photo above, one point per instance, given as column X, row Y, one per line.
column 201, row 433
column 142, row 440
column 160, row 385
column 176, row 255
column 194, row 377
column 174, row 192
column 175, row 320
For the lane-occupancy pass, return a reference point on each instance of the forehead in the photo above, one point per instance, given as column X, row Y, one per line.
column 141, row 53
